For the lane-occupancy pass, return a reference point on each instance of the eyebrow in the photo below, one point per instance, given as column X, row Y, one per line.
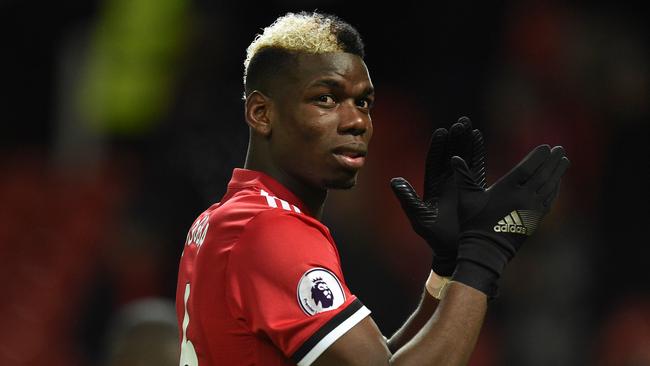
column 335, row 84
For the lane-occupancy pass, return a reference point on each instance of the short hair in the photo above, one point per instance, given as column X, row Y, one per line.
column 274, row 51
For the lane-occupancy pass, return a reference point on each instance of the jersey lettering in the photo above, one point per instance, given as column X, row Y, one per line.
column 198, row 231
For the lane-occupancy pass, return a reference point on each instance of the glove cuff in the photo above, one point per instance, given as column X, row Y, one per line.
column 481, row 260
column 490, row 251
column 443, row 266
column 477, row 276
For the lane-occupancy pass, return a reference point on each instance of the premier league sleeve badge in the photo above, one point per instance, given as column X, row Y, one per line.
column 319, row 290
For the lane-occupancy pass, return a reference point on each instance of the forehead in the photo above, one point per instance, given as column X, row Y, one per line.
column 347, row 67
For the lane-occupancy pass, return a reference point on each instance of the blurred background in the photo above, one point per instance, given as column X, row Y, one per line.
column 122, row 120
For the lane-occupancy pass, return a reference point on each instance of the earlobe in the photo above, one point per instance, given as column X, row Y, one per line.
column 258, row 112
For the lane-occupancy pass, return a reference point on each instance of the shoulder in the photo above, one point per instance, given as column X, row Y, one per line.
column 277, row 222
column 279, row 238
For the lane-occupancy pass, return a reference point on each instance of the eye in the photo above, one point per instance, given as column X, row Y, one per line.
column 364, row 103
column 326, row 100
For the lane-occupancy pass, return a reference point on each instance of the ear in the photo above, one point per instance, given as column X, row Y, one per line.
column 258, row 112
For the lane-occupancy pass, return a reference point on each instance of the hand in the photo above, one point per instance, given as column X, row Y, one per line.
column 496, row 221
column 434, row 217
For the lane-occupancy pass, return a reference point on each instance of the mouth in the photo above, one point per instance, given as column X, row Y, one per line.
column 351, row 156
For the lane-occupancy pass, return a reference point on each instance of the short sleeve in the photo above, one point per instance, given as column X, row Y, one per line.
column 285, row 282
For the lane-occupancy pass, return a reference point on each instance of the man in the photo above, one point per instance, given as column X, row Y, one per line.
column 260, row 280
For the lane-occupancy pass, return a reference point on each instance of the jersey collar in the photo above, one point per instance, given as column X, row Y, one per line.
column 242, row 178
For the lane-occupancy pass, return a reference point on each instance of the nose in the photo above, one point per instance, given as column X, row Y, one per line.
column 354, row 121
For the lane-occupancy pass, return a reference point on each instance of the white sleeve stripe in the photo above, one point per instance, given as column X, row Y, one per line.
column 271, row 201
column 332, row 336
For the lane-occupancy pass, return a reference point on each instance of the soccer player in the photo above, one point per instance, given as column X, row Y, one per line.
column 260, row 280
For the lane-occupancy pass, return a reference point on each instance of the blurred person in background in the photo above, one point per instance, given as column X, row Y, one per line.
column 143, row 333
column 260, row 279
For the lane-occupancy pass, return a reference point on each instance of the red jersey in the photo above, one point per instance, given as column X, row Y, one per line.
column 260, row 281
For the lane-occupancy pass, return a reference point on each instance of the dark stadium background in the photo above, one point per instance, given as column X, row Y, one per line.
column 122, row 120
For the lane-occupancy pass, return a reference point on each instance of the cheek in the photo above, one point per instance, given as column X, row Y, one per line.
column 313, row 126
column 305, row 137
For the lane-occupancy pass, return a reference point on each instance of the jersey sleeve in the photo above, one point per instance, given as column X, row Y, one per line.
column 285, row 283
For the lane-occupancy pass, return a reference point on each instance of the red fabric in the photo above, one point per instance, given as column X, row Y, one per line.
column 243, row 305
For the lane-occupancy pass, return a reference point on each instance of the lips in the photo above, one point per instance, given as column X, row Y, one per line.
column 352, row 156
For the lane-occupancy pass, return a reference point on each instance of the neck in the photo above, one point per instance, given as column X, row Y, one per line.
column 312, row 198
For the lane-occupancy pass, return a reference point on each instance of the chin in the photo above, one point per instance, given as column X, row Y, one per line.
column 343, row 183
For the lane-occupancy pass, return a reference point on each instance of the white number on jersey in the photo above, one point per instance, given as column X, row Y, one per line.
column 188, row 354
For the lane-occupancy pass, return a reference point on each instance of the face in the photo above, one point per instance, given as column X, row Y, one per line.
column 321, row 120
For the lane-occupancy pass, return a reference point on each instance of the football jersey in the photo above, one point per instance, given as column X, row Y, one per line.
column 260, row 281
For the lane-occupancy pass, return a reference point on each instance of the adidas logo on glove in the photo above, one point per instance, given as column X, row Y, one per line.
column 519, row 222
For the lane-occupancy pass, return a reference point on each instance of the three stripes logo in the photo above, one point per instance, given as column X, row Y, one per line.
column 273, row 201
column 519, row 222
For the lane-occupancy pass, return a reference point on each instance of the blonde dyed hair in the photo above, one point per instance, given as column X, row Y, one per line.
column 311, row 33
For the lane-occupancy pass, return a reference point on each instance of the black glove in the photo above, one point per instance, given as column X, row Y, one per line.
column 496, row 221
column 435, row 218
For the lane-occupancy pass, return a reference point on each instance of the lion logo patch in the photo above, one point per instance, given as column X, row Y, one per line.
column 319, row 290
